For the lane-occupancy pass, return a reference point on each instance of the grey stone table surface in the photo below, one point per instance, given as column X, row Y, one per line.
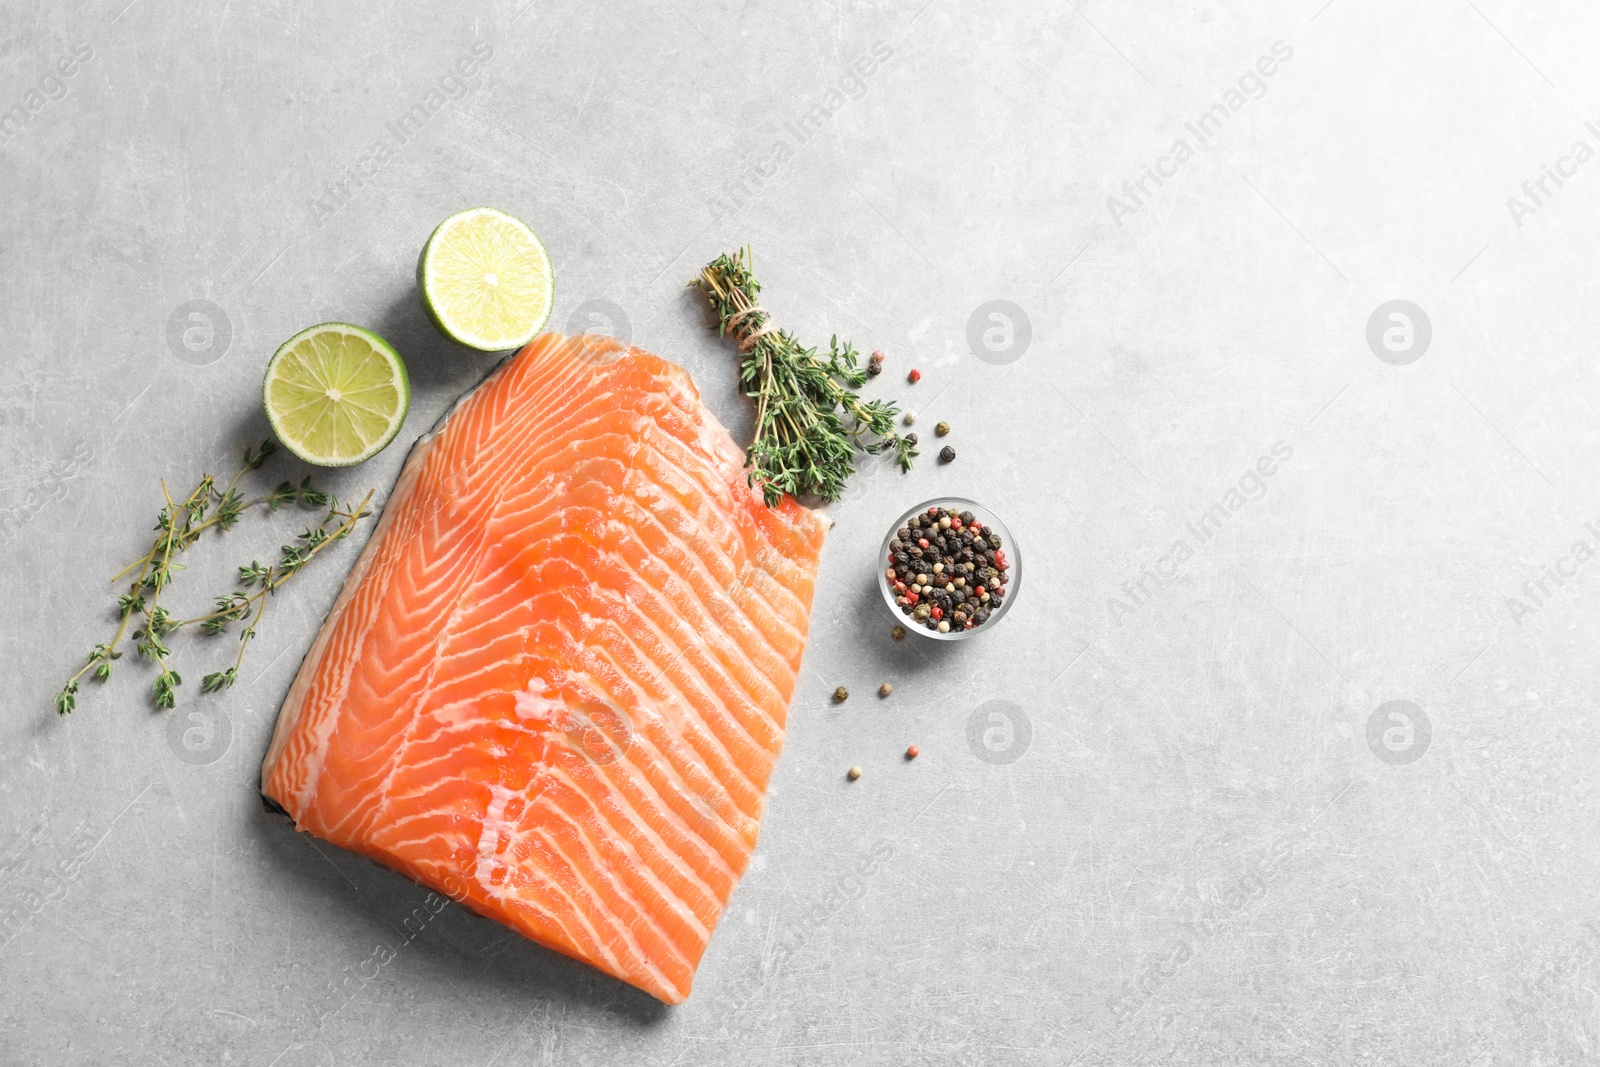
column 1266, row 326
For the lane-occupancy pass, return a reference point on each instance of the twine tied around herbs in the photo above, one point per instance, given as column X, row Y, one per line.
column 747, row 340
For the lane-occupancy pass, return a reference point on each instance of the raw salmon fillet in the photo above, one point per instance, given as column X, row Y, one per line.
column 554, row 685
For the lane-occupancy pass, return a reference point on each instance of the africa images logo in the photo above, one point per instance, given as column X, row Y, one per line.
column 1538, row 191
column 802, row 128
column 50, row 87
column 1251, row 486
column 999, row 332
column 999, row 732
column 199, row 332
column 1252, row 85
column 1562, row 569
column 1399, row 332
column 1399, row 732
column 452, row 87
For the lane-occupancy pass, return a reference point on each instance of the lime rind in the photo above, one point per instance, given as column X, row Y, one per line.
column 336, row 394
column 484, row 243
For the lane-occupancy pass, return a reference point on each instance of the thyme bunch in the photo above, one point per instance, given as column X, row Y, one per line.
column 178, row 526
column 810, row 421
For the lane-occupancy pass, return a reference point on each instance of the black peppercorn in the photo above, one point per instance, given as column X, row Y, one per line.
column 968, row 518
column 911, row 439
column 946, row 454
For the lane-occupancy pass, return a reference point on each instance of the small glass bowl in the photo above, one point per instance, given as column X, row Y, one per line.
column 990, row 521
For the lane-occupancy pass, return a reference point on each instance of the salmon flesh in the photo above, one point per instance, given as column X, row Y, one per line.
column 554, row 685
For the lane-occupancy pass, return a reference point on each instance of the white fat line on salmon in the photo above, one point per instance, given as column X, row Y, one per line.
column 500, row 832
column 356, row 977
column 678, row 864
column 596, row 858
column 849, row 885
column 591, row 878
column 707, row 821
column 604, row 731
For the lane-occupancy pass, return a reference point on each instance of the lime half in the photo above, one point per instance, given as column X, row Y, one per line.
column 485, row 280
column 336, row 394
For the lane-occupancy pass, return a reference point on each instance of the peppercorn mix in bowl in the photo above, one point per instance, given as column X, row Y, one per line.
column 949, row 569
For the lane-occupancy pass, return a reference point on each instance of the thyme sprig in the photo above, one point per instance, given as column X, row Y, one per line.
column 178, row 526
column 236, row 606
column 803, row 444
column 230, row 505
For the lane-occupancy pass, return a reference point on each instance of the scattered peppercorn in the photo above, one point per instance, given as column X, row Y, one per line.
column 913, row 752
column 911, row 439
column 841, row 694
column 854, row 773
column 942, row 429
column 911, row 418
column 946, row 454
column 898, row 633
column 885, row 689
column 914, row 377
